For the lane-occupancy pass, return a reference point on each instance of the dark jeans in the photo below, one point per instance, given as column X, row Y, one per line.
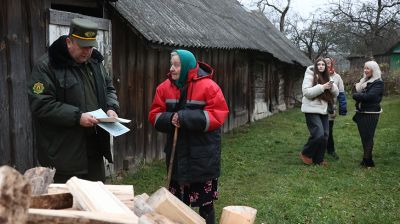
column 96, row 171
column 318, row 126
column 331, row 144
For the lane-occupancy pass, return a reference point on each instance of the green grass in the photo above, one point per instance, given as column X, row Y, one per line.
column 261, row 169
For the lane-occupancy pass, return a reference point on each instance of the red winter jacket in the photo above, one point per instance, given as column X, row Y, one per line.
column 198, row 150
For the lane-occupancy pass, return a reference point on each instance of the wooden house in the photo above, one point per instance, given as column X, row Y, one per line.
column 259, row 69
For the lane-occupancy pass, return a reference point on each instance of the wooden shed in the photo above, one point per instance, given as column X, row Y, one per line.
column 387, row 54
column 259, row 69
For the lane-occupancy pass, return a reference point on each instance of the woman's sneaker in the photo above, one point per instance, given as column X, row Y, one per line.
column 306, row 160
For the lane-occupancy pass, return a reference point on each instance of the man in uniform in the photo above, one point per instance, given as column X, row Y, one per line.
column 66, row 83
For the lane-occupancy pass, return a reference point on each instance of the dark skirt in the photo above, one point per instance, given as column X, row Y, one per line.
column 196, row 194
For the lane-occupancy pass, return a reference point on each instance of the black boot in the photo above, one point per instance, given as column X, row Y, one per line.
column 367, row 157
column 208, row 213
column 367, row 163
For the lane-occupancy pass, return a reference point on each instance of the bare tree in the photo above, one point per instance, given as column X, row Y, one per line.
column 278, row 7
column 371, row 22
column 315, row 36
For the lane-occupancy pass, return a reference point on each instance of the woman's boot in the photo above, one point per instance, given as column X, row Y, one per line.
column 367, row 158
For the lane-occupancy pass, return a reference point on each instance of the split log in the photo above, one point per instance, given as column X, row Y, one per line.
column 124, row 193
column 238, row 215
column 49, row 216
column 40, row 178
column 165, row 203
column 52, row 201
column 140, row 205
column 154, row 218
column 15, row 192
column 93, row 196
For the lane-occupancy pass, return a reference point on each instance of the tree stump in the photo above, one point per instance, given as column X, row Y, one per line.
column 15, row 193
column 40, row 178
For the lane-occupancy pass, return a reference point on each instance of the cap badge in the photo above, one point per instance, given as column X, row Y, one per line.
column 90, row 34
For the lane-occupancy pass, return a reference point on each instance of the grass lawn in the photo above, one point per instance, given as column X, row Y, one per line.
column 261, row 169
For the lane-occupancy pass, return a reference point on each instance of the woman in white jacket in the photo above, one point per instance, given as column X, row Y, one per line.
column 317, row 92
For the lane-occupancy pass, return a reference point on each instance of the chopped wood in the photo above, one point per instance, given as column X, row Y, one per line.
column 15, row 192
column 144, row 196
column 171, row 207
column 124, row 193
column 154, row 218
column 140, row 205
column 238, row 215
column 40, row 178
column 52, row 201
column 50, row 216
column 94, row 196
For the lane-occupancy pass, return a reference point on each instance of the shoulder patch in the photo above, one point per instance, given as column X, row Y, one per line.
column 38, row 88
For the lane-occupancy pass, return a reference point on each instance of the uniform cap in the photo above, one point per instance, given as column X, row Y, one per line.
column 84, row 31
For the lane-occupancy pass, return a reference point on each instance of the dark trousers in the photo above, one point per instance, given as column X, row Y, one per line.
column 96, row 171
column 331, row 144
column 318, row 126
column 366, row 124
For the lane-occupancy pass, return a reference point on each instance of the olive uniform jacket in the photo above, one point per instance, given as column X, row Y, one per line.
column 57, row 100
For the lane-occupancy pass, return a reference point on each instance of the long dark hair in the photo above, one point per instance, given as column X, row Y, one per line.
column 322, row 78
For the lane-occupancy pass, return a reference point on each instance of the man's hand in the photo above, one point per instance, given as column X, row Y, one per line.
column 112, row 113
column 87, row 120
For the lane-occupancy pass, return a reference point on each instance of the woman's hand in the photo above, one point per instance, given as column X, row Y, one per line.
column 328, row 85
column 175, row 120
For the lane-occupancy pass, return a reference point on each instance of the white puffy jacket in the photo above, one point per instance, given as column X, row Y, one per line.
column 309, row 103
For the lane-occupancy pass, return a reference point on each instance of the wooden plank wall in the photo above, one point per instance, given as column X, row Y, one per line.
column 22, row 40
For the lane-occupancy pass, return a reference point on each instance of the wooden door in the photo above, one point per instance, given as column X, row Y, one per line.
column 59, row 25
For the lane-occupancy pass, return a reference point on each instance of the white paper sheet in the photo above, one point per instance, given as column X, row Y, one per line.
column 112, row 127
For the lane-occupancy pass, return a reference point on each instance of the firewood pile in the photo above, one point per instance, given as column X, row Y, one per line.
column 34, row 199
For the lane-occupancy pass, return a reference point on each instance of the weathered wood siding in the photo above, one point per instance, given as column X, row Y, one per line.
column 22, row 40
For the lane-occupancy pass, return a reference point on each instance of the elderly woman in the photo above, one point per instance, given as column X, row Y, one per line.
column 192, row 102
column 318, row 91
column 368, row 96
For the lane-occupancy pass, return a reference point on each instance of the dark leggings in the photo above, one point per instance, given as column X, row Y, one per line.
column 331, row 144
column 366, row 124
column 208, row 213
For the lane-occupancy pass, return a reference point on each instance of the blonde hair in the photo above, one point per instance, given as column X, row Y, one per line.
column 376, row 71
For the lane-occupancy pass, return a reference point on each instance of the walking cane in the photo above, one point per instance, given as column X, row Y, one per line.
column 171, row 160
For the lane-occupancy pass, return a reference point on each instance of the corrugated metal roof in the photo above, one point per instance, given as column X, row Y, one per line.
column 208, row 23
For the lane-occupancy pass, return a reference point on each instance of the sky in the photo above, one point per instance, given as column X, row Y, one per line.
column 302, row 7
